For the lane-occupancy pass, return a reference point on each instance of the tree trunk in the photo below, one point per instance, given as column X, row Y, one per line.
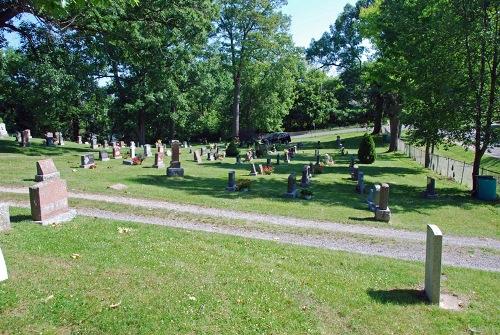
column 475, row 171
column 75, row 129
column 394, row 124
column 173, row 129
column 379, row 109
column 236, row 105
column 142, row 127
column 427, row 161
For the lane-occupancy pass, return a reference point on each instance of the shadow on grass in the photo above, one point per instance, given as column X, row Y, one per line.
column 20, row 218
column 398, row 296
column 39, row 149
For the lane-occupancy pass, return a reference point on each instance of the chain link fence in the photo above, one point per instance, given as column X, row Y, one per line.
column 459, row 171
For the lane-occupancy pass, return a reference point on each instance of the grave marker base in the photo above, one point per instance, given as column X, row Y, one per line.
column 61, row 218
column 175, row 172
column 383, row 214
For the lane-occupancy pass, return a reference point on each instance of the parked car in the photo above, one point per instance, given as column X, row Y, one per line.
column 279, row 137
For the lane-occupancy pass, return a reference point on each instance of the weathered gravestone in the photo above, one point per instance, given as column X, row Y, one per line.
column 430, row 191
column 291, row 191
column 19, row 137
column 383, row 213
column 4, row 217
column 79, row 140
column 116, row 152
column 147, row 150
column 25, row 138
column 87, row 161
column 374, row 198
column 159, row 160
column 287, row 157
column 49, row 139
column 210, row 156
column 360, row 186
column 175, row 164
column 95, row 146
column 3, row 130
column 103, row 156
column 231, row 181
column 132, row 151
column 59, row 138
column 261, row 169
column 354, row 173
column 3, row 268
column 433, row 254
column 46, row 170
column 49, row 202
column 132, row 144
column 105, row 144
column 253, row 170
column 305, row 180
column 197, row 156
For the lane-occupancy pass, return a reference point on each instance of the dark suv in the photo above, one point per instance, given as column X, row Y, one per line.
column 274, row 138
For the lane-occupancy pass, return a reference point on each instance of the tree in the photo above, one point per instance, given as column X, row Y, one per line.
column 244, row 27
column 366, row 151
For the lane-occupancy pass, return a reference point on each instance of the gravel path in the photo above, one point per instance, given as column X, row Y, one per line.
column 413, row 250
column 278, row 220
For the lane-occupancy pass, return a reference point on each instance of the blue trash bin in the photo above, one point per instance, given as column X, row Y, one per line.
column 486, row 188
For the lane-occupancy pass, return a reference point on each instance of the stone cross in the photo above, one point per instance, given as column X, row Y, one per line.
column 3, row 268
column 231, row 181
column 4, row 217
column 103, row 156
column 253, row 171
column 46, row 170
column 433, row 254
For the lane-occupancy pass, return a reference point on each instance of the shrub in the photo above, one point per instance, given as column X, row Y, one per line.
column 366, row 152
column 260, row 150
column 243, row 184
column 232, row 149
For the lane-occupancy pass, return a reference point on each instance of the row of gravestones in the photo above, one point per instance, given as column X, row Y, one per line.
column 52, row 139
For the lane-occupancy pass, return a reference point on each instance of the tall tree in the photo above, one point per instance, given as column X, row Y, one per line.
column 244, row 27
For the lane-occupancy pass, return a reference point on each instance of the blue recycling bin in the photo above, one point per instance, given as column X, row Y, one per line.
column 486, row 188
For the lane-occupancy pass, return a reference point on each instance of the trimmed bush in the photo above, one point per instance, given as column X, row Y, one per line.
column 232, row 149
column 366, row 152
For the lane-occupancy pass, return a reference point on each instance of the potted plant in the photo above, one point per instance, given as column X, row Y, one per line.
column 243, row 185
column 267, row 169
column 306, row 194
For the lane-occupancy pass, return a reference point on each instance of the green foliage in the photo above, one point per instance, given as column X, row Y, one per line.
column 232, row 149
column 366, row 151
column 243, row 184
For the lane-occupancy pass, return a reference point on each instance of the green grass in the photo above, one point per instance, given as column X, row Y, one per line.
column 170, row 281
column 461, row 154
column 334, row 196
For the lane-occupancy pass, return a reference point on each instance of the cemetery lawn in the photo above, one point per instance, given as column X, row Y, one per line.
column 88, row 277
column 459, row 153
column 334, row 196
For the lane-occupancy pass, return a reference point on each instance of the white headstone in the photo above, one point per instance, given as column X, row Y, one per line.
column 434, row 247
column 3, row 130
column 3, row 268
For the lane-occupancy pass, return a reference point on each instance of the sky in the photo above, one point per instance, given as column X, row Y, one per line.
column 310, row 19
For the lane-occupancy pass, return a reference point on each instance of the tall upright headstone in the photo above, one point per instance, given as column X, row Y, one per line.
column 305, row 181
column 132, row 151
column 4, row 217
column 383, row 213
column 433, row 254
column 159, row 160
column 175, row 164
column 79, row 139
column 3, row 130
column 46, row 170
column 231, row 181
column 253, row 170
column 360, row 186
column 147, row 150
column 291, row 191
column 95, row 146
column 25, row 138
column 59, row 138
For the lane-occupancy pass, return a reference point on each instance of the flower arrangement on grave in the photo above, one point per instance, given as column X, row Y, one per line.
column 137, row 160
column 93, row 166
column 318, row 168
column 243, row 185
column 306, row 194
column 267, row 169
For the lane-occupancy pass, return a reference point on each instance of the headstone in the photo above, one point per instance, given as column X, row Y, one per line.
column 238, row 159
column 231, row 181
column 49, row 139
column 261, row 169
column 147, row 150
column 160, row 149
column 210, row 156
column 185, row 144
column 46, row 170
column 430, row 192
column 60, row 139
column 103, row 156
column 197, row 156
column 116, row 152
column 291, row 187
column 79, row 140
column 105, row 144
column 132, row 144
column 4, row 217
column 159, row 160
column 95, row 146
column 433, row 254
column 25, row 138
column 19, row 137
column 169, row 153
column 287, row 157
column 3, row 268
column 3, row 130
column 253, row 171
column 132, row 151
column 86, row 161
column 122, row 144
column 360, row 187
column 49, row 202
column 383, row 213
column 268, row 161
column 175, row 164
column 305, row 181
column 373, row 198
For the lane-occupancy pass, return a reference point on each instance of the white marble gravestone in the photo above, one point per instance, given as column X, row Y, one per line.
column 3, row 268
